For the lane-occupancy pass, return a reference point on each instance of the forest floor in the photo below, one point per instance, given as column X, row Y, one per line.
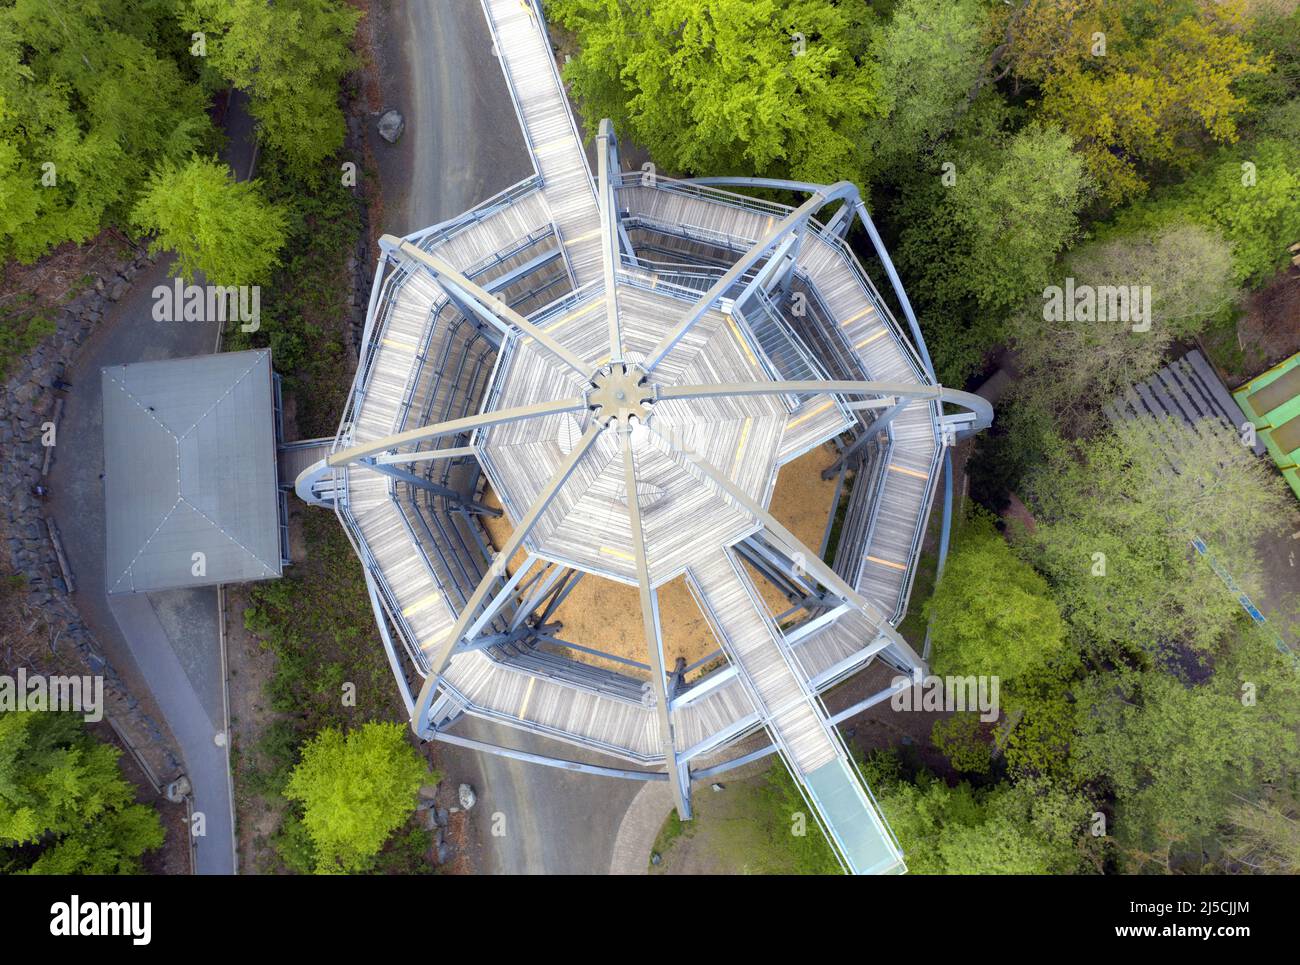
column 1266, row 331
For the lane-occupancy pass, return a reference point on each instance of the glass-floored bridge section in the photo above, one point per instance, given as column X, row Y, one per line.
column 626, row 362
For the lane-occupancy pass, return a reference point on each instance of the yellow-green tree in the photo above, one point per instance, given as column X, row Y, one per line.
column 215, row 224
column 780, row 88
column 355, row 790
column 1139, row 85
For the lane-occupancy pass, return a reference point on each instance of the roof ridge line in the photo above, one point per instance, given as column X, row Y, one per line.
column 230, row 388
column 148, row 410
column 143, row 546
column 217, row 526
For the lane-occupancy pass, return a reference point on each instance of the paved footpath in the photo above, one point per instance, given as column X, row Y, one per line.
column 167, row 645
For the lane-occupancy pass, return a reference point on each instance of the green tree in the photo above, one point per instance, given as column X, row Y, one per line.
column 290, row 56
column 1179, row 757
column 1139, row 86
column 991, row 614
column 1264, row 834
column 1072, row 363
column 1114, row 524
column 1003, row 829
column 975, row 247
column 780, row 88
column 214, row 224
column 355, row 790
column 64, row 806
column 90, row 101
column 961, row 739
column 931, row 55
column 1249, row 193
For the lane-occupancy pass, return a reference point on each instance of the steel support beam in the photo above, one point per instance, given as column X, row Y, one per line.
column 650, row 625
column 534, row 600
column 486, row 640
column 981, row 407
column 881, row 251
column 469, row 639
column 521, row 271
column 841, row 190
column 869, row 433
column 570, row 582
column 609, row 235
column 835, row 720
column 559, row 762
column 390, row 651
column 424, row 455
column 446, row 492
column 454, row 426
column 484, row 304
column 442, row 653
column 763, row 279
column 792, row 545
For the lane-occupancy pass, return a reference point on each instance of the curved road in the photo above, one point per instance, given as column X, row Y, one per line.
column 462, row 144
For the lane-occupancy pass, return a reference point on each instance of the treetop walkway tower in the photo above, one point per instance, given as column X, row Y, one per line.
column 627, row 361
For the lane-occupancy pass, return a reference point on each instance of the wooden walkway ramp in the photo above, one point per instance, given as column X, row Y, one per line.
column 794, row 717
column 520, row 42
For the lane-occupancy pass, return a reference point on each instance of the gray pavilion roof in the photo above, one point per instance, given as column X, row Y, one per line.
column 190, row 467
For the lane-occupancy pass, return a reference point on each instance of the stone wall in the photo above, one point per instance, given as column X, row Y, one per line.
column 28, row 400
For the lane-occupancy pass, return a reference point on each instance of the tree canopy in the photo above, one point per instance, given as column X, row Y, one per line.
column 1138, row 85
column 64, row 806
column 1114, row 523
column 779, row 88
column 1003, row 829
column 1179, row 757
column 931, row 57
column 215, row 224
column 90, row 101
column 1249, row 193
column 1076, row 362
column 355, row 790
column 975, row 247
column 290, row 56
column 991, row 613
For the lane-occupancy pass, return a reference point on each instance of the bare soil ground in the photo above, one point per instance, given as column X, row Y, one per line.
column 249, row 668
column 1268, row 331
column 606, row 615
column 63, row 273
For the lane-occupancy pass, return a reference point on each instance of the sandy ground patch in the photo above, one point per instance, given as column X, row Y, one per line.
column 606, row 615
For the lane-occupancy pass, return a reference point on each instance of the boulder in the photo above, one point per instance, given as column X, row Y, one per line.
column 391, row 124
column 467, row 796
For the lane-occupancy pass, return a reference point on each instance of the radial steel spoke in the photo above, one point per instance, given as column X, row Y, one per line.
column 483, row 302
column 650, row 625
column 442, row 652
column 453, row 426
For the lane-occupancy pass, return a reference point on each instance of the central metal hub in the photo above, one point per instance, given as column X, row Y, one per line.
column 620, row 391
